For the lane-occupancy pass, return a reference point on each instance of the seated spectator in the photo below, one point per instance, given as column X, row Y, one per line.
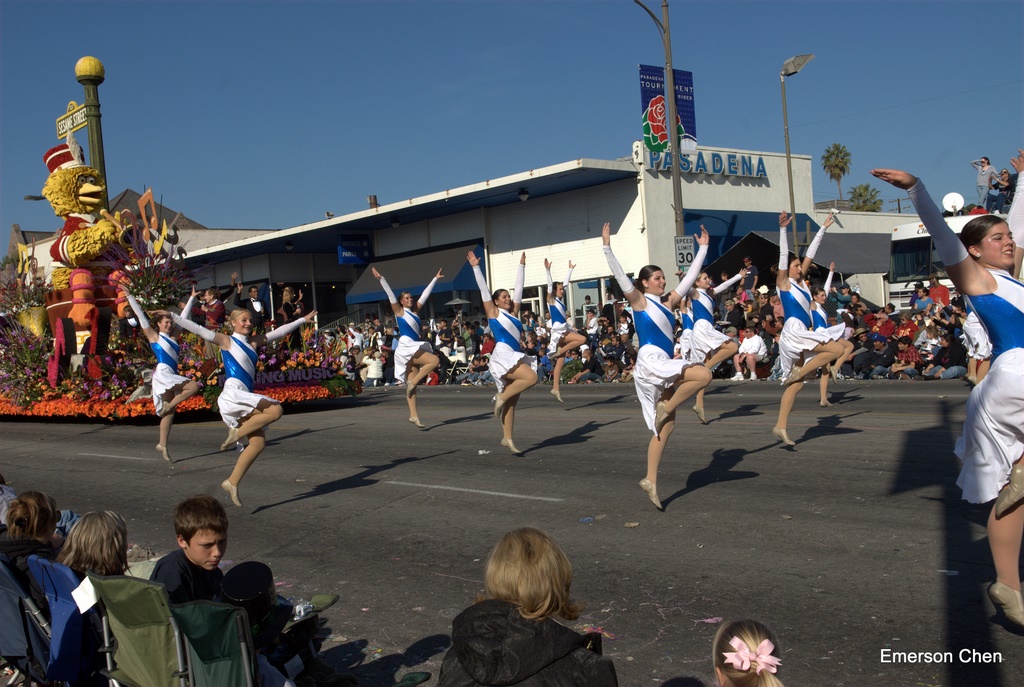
column 908, row 360
column 375, row 370
column 881, row 323
column 250, row 586
column 31, row 529
column 591, row 371
column 510, row 637
column 611, row 372
column 592, row 326
column 923, row 302
column 927, row 341
column 950, row 362
column 752, row 351
column 354, row 363
column 876, row 363
column 733, row 314
column 488, row 344
column 192, row 573
column 906, row 327
column 745, row 653
column 97, row 543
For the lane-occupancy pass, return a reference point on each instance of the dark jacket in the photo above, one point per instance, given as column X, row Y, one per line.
column 492, row 644
column 18, row 551
column 258, row 318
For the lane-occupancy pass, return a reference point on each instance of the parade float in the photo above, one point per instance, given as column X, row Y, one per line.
column 68, row 347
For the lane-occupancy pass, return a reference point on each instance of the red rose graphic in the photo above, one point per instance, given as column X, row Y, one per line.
column 656, row 116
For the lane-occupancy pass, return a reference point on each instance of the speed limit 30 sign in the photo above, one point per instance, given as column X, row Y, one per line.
column 686, row 249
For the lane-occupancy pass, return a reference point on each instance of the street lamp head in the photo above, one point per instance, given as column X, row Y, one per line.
column 89, row 69
column 795, row 64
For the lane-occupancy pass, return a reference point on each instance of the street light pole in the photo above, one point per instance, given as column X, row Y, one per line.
column 672, row 126
column 90, row 73
column 789, row 68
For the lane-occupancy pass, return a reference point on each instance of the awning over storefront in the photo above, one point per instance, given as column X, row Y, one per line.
column 414, row 272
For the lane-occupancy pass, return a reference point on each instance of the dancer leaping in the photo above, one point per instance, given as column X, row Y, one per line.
column 662, row 382
column 564, row 336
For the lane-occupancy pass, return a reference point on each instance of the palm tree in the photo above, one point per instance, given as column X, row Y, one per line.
column 864, row 198
column 836, row 163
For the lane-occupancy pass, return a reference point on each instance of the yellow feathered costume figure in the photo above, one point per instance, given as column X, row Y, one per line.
column 76, row 192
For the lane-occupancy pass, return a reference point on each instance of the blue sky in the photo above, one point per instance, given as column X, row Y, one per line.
column 267, row 114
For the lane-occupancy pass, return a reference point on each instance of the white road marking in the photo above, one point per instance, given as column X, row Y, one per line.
column 474, row 491
column 107, row 455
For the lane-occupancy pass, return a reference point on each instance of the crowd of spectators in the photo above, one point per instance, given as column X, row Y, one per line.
column 923, row 341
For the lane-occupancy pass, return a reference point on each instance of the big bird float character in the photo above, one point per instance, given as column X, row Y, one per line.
column 77, row 192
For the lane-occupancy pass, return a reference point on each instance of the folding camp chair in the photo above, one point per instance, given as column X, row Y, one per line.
column 458, row 364
column 141, row 637
column 74, row 639
column 218, row 644
column 24, row 630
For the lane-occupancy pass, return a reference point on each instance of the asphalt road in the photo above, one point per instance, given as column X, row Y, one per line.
column 852, row 543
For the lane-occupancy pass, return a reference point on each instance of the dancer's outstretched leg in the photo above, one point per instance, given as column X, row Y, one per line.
column 824, row 354
column 414, row 374
column 693, row 379
column 723, row 352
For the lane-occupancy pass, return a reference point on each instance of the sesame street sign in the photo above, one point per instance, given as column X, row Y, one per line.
column 72, row 121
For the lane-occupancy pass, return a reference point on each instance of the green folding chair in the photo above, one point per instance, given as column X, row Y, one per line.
column 142, row 637
column 218, row 644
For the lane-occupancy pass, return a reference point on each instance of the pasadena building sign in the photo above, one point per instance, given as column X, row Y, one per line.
column 701, row 162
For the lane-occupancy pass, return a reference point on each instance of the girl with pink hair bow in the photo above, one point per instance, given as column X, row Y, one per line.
column 745, row 655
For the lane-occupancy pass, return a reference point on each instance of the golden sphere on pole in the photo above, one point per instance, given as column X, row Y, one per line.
column 89, row 68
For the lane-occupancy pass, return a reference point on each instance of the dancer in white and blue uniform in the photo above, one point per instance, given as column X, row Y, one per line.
column 819, row 321
column 978, row 345
column 684, row 344
column 708, row 346
column 246, row 414
column 662, row 382
column 413, row 355
column 513, row 370
column 169, row 388
column 564, row 336
column 798, row 339
column 984, row 263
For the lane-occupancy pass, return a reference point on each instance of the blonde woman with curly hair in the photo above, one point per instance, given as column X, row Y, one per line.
column 746, row 654
column 97, row 543
column 510, row 636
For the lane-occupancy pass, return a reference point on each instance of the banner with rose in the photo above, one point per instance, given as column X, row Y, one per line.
column 655, row 109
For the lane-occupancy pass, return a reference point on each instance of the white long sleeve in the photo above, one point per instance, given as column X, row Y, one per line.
column 567, row 280
column 137, row 309
column 812, row 249
column 425, row 296
column 1015, row 217
column 784, row 249
column 620, row 275
column 551, row 282
column 485, row 290
column 690, row 278
column 517, row 292
column 947, row 243
column 285, row 330
column 190, row 326
column 387, row 289
column 727, row 283
column 828, row 282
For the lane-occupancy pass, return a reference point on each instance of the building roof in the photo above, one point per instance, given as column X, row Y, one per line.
column 853, row 253
column 311, row 238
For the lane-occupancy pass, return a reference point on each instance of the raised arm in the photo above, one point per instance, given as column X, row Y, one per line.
column 1015, row 218
column 568, row 276
column 425, row 296
column 724, row 286
column 970, row 277
column 828, row 280
column 690, row 278
column 187, row 310
column 490, row 309
column 151, row 334
column 629, row 292
column 517, row 292
column 812, row 249
column 218, row 338
column 551, row 282
column 282, row 332
column 782, row 278
column 396, row 307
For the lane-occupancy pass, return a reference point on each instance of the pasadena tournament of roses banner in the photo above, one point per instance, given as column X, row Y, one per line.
column 655, row 108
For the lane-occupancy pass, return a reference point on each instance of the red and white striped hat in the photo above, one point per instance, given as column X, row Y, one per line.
column 64, row 156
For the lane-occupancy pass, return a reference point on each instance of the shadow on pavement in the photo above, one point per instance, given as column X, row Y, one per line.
column 719, row 469
column 356, row 481
column 576, row 436
column 361, row 659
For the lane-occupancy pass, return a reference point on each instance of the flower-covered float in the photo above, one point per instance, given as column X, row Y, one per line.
column 86, row 360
